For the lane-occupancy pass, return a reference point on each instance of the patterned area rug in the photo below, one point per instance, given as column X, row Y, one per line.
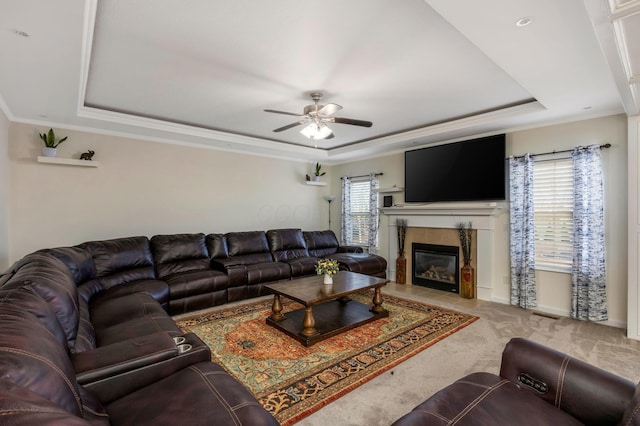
column 292, row 381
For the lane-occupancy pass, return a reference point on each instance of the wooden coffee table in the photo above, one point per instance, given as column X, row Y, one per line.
column 327, row 308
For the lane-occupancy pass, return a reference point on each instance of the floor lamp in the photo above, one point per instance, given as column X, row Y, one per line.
column 329, row 199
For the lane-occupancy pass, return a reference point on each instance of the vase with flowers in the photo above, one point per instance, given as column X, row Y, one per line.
column 328, row 268
column 467, row 280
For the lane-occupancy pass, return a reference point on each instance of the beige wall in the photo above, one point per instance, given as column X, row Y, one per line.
column 553, row 288
column 146, row 188
column 4, row 192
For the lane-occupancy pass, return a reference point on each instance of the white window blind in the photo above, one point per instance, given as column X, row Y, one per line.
column 360, row 193
column 553, row 214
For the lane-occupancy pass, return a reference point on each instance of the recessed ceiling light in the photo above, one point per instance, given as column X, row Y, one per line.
column 523, row 22
column 20, row 33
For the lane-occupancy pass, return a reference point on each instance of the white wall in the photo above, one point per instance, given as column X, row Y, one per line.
column 4, row 192
column 553, row 288
column 633, row 315
column 146, row 188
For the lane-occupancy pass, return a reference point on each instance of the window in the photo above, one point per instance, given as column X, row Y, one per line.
column 360, row 215
column 553, row 214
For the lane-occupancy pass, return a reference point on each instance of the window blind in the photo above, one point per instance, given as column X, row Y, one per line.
column 553, row 214
column 360, row 193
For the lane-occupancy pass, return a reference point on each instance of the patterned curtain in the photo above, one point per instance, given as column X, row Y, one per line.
column 522, row 233
column 346, row 227
column 373, row 213
column 588, row 287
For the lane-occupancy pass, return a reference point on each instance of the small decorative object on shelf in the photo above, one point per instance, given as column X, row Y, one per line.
column 467, row 273
column 50, row 148
column 87, row 155
column 328, row 268
column 318, row 172
column 401, row 261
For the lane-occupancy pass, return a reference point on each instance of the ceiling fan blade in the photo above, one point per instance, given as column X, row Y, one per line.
column 283, row 112
column 288, row 126
column 352, row 122
column 329, row 109
column 331, row 136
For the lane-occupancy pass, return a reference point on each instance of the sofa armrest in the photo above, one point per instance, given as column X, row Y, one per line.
column 586, row 392
column 113, row 387
column 117, row 358
column 237, row 273
column 350, row 249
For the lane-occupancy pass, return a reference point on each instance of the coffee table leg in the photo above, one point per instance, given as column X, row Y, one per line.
column 308, row 323
column 377, row 301
column 276, row 308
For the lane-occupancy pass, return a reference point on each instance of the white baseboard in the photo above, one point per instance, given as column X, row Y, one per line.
column 561, row 313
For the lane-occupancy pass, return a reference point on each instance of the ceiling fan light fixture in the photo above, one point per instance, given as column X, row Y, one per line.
column 316, row 131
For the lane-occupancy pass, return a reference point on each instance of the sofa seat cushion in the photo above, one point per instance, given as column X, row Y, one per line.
column 302, row 266
column 362, row 263
column 157, row 289
column 267, row 272
column 212, row 395
column 485, row 399
column 196, row 282
column 130, row 329
column 111, row 311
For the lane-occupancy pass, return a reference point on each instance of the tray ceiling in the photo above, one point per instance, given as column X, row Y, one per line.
column 202, row 72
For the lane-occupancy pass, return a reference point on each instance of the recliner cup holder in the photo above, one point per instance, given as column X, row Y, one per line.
column 184, row 348
column 179, row 340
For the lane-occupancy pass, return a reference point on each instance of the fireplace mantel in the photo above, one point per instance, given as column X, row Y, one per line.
column 448, row 215
column 438, row 209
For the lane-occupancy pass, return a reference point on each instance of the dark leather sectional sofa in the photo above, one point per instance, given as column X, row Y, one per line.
column 537, row 385
column 86, row 335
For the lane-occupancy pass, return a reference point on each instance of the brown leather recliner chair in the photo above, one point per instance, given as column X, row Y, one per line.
column 537, row 385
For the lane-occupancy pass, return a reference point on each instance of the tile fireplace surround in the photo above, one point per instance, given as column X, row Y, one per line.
column 445, row 216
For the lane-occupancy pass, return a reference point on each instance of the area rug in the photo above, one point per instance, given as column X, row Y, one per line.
column 292, row 381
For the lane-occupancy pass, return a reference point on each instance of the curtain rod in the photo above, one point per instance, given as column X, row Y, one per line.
column 353, row 177
column 603, row 146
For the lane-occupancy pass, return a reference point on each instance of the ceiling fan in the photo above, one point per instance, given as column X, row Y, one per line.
column 316, row 117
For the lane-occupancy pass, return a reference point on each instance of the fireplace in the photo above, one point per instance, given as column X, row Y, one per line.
column 435, row 266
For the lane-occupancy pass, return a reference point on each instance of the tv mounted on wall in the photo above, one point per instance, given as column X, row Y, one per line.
column 472, row 170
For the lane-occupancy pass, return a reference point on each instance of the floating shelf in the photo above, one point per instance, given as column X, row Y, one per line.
column 316, row 183
column 391, row 189
column 67, row 161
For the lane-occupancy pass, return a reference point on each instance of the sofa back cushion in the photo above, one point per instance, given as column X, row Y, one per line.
column 178, row 253
column 248, row 247
column 78, row 260
column 217, row 246
column 287, row 244
column 50, row 279
column 321, row 243
column 34, row 358
column 122, row 260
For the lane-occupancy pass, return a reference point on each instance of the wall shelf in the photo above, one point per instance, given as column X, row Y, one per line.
column 391, row 189
column 67, row 161
column 316, row 183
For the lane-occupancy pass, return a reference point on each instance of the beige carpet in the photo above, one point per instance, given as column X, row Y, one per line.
column 475, row 348
column 292, row 381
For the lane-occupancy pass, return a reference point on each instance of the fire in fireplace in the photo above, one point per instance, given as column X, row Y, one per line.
column 436, row 266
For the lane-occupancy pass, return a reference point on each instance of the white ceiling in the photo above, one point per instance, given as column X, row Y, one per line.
column 201, row 72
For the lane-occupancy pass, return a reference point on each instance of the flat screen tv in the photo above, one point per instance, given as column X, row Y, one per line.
column 472, row 170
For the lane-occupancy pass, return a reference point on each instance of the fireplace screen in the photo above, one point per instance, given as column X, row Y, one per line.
column 436, row 266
